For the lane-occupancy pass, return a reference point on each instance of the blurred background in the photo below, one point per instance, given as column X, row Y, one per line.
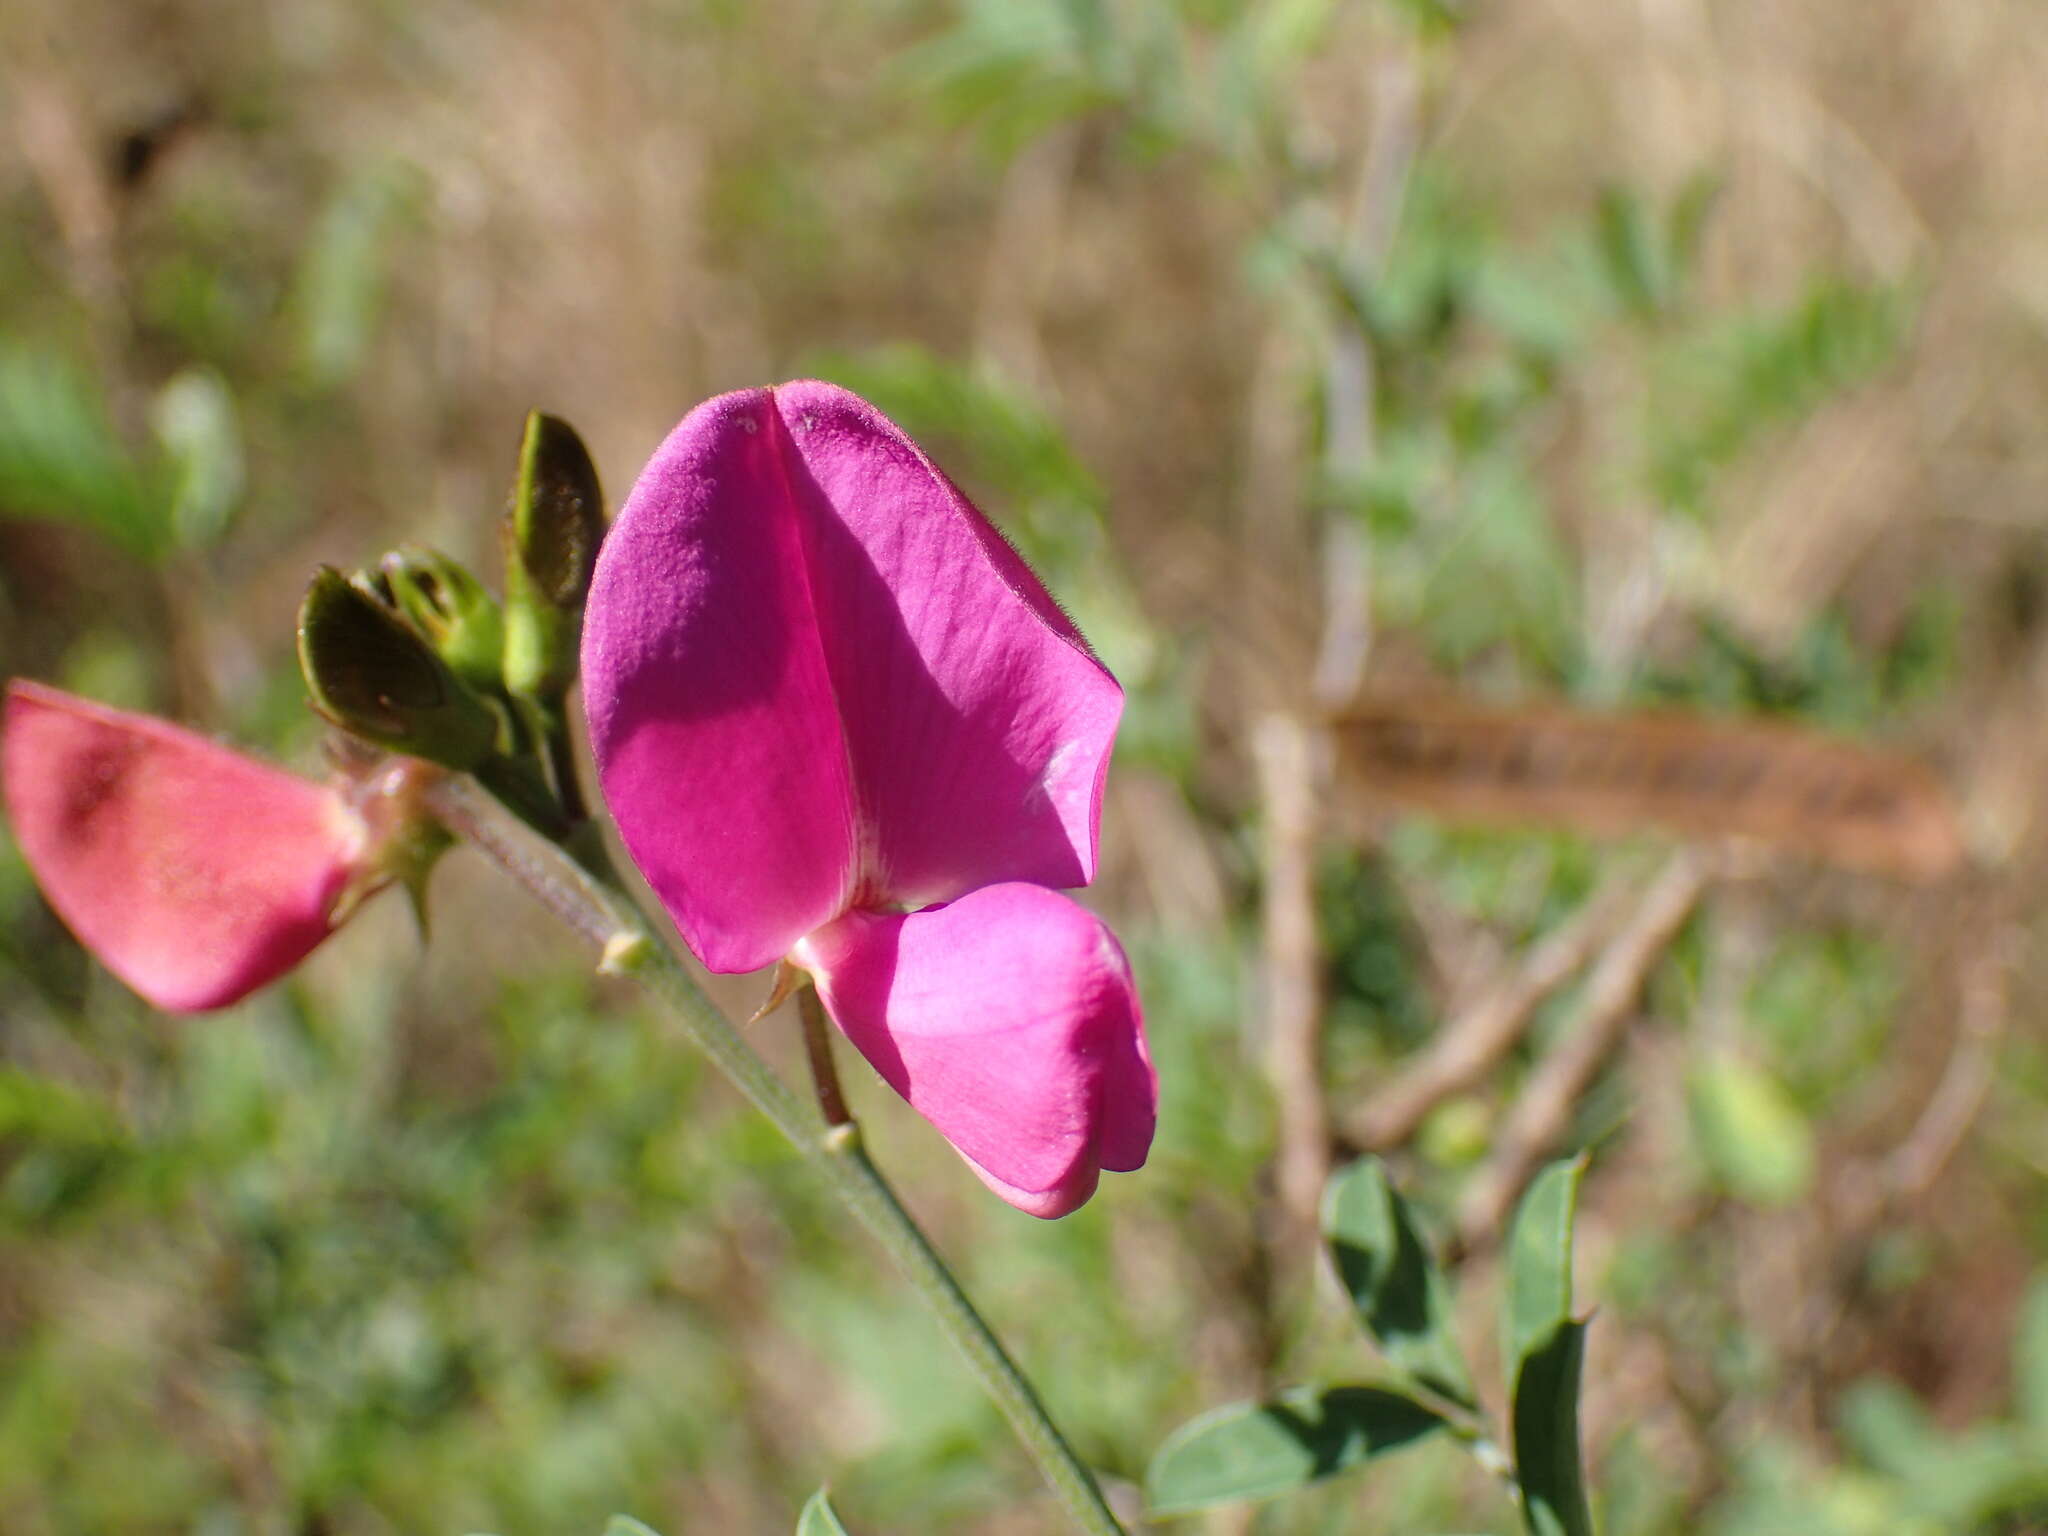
column 1527, row 353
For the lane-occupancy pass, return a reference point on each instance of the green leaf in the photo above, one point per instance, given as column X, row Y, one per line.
column 1539, row 1262
column 194, row 419
column 1750, row 1135
column 1886, row 1425
column 1545, row 1349
column 1712, row 396
column 626, row 1525
column 43, row 1109
column 1685, row 222
column 819, row 1518
column 1285, row 31
column 338, row 293
column 1627, row 241
column 1393, row 1280
column 1546, row 1417
column 1259, row 1450
column 60, row 456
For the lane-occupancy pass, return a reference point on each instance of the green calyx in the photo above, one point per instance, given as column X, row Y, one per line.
column 552, row 531
column 374, row 676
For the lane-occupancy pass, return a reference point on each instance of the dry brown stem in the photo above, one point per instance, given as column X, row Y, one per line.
column 1911, row 1168
column 1540, row 1116
column 1463, row 1052
column 1284, row 751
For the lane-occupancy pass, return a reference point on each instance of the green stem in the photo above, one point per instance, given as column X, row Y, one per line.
column 630, row 946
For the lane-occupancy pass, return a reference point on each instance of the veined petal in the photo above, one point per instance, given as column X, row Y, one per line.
column 816, row 675
column 1009, row 1020
column 196, row 874
column 977, row 721
column 712, row 718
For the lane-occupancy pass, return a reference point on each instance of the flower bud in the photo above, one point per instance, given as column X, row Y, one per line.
column 450, row 608
column 552, row 532
column 374, row 677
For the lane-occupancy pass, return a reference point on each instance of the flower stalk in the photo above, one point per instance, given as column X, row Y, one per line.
column 818, row 1051
column 631, row 945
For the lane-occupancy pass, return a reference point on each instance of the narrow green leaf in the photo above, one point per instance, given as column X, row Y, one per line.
column 1627, row 241
column 1539, row 1262
column 197, row 428
column 1546, row 1415
column 1393, row 1280
column 626, row 1525
column 1888, row 1427
column 819, row 1518
column 1257, row 1450
column 338, row 291
column 1685, row 222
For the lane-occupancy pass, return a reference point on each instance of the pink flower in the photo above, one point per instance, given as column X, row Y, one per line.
column 838, row 720
column 195, row 873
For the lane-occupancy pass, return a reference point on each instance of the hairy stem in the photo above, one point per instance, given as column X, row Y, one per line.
column 630, row 946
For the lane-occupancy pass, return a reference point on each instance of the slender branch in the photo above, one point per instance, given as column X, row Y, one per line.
column 1284, row 750
column 1471, row 1044
column 1878, row 1185
column 1917, row 1162
column 631, row 947
column 1540, row 1115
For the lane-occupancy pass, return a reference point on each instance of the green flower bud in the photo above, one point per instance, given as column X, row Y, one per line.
column 552, row 531
column 450, row 607
column 376, row 678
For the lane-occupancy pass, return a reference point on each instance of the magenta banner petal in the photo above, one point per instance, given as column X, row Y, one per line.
column 712, row 717
column 816, row 677
column 196, row 874
column 1010, row 1021
column 978, row 723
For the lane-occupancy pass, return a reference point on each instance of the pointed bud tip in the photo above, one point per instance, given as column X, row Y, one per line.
column 557, row 511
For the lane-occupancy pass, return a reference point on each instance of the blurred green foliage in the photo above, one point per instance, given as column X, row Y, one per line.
column 427, row 1249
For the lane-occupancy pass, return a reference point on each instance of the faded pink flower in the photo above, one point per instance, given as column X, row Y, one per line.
column 839, row 721
column 195, row 873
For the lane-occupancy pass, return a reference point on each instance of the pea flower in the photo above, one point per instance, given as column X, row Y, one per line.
column 195, row 873
column 839, row 721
